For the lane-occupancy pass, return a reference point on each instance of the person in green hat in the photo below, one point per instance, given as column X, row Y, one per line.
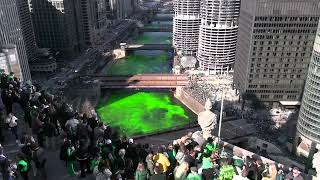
column 211, row 145
column 22, row 166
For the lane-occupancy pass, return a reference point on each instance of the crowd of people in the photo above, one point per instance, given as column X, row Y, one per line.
column 91, row 147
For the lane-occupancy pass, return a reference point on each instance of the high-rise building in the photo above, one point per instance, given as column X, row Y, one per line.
column 27, row 28
column 308, row 127
column 11, row 33
column 58, row 25
column 125, row 8
column 218, row 34
column 274, row 47
column 94, row 19
column 186, row 24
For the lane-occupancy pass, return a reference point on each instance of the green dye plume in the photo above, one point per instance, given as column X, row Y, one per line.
column 141, row 113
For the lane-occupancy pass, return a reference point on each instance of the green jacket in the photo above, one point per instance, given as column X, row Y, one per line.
column 142, row 175
column 227, row 172
column 194, row 176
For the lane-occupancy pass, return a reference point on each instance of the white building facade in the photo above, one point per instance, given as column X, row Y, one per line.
column 218, row 34
column 186, row 24
column 308, row 127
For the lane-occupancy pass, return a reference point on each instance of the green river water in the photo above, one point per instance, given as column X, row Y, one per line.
column 144, row 112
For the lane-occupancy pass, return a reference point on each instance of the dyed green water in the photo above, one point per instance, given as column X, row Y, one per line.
column 139, row 113
column 142, row 62
column 154, row 38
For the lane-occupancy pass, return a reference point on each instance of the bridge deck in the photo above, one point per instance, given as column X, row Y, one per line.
column 143, row 81
column 150, row 77
column 149, row 46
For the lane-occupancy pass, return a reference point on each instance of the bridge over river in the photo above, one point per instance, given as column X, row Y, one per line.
column 166, row 47
column 158, row 81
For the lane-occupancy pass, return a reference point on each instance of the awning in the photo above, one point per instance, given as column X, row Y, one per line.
column 290, row 103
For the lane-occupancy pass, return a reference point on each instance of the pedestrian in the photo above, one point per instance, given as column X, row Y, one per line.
column 22, row 166
column 242, row 176
column 227, row 171
column 39, row 160
column 271, row 173
column 50, row 132
column 158, row 175
column 295, row 174
column 141, row 172
column 150, row 164
column 181, row 171
column 13, row 125
column 69, row 158
column 102, row 171
column 120, row 163
column 82, row 156
column 27, row 114
column 161, row 160
column 238, row 161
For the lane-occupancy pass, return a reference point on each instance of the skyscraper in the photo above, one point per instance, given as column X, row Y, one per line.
column 186, row 24
column 94, row 19
column 27, row 28
column 58, row 25
column 308, row 127
column 11, row 33
column 274, row 47
column 125, row 8
column 218, row 34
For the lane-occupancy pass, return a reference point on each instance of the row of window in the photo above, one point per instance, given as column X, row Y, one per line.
column 286, row 31
column 276, row 96
column 304, row 19
column 292, row 37
column 298, row 43
column 258, row 65
column 282, row 54
column 259, row 75
column 278, row 60
column 285, row 25
column 281, row 49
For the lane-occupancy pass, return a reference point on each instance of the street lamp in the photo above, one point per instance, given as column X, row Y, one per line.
column 221, row 114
